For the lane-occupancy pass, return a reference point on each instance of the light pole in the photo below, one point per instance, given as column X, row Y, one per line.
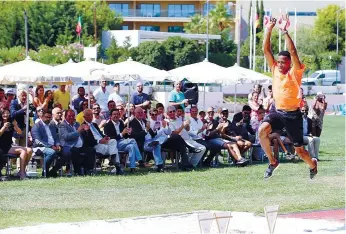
column 207, row 42
column 239, row 13
column 337, row 30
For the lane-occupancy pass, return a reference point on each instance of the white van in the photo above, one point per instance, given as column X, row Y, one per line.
column 323, row 77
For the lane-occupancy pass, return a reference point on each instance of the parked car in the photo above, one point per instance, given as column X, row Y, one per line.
column 323, row 77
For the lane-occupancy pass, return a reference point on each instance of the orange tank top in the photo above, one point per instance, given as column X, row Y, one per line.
column 286, row 88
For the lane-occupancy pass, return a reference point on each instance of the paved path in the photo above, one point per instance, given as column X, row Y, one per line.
column 332, row 215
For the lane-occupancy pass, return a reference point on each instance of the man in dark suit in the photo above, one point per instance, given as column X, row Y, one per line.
column 93, row 137
column 115, row 129
column 46, row 140
column 72, row 143
column 138, row 128
column 18, row 112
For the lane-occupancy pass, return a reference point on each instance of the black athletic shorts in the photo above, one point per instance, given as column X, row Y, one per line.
column 292, row 121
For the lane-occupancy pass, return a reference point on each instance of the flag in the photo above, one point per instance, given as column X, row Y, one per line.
column 256, row 21
column 79, row 26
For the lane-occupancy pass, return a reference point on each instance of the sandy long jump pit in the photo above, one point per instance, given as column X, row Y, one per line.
column 244, row 223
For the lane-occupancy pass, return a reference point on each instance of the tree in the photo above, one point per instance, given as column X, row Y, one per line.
column 196, row 25
column 113, row 52
column 219, row 21
column 106, row 19
column 151, row 53
column 326, row 26
column 181, row 51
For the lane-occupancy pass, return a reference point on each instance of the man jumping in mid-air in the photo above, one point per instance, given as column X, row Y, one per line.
column 285, row 112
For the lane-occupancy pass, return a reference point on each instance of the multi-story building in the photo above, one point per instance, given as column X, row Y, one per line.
column 163, row 16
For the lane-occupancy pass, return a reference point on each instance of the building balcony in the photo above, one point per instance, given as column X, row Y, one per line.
column 132, row 15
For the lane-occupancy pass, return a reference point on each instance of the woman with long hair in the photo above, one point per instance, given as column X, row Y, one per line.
column 48, row 97
column 7, row 128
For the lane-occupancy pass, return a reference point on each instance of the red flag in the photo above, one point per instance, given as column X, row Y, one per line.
column 79, row 26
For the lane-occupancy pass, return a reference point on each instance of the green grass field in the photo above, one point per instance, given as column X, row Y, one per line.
column 227, row 188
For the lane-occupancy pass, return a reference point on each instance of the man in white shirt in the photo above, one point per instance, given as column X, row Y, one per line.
column 182, row 128
column 116, row 95
column 101, row 95
column 103, row 145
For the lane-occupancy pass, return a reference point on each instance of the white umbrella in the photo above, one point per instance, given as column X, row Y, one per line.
column 26, row 71
column 244, row 75
column 202, row 72
column 77, row 70
column 240, row 75
column 137, row 71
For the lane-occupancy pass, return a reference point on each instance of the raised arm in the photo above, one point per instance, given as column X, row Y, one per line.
column 267, row 44
column 290, row 45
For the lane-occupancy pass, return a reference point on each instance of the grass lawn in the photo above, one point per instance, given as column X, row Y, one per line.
column 227, row 188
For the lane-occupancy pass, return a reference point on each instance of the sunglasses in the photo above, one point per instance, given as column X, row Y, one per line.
column 96, row 108
column 85, row 104
column 173, row 111
column 153, row 114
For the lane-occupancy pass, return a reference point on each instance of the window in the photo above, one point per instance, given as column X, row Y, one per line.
column 176, row 29
column 150, row 10
column 149, row 28
column 181, row 10
column 124, row 27
column 212, row 6
column 123, row 9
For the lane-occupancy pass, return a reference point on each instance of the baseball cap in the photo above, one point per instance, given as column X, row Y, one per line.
column 224, row 110
column 11, row 92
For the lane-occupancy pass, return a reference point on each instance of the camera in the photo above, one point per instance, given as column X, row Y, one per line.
column 246, row 118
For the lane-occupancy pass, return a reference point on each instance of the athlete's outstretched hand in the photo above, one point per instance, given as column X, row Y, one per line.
column 284, row 22
column 271, row 23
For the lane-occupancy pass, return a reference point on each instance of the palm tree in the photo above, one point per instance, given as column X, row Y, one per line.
column 220, row 18
column 196, row 25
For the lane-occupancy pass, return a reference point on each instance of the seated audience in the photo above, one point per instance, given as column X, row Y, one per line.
column 97, row 118
column 213, row 136
column 228, row 132
column 7, row 127
column 201, row 115
column 93, row 137
column 116, row 129
column 254, row 105
column 111, row 106
column 72, row 142
column 269, row 100
column 178, row 126
column 83, row 105
column 160, row 111
column 46, row 140
column 241, row 125
column 312, row 141
column 258, row 89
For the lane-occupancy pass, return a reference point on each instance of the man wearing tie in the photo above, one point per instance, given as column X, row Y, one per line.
column 116, row 129
column 93, row 137
column 72, row 143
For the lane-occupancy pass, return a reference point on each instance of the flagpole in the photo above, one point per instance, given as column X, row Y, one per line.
column 26, row 36
column 280, row 35
column 250, row 60
column 254, row 40
column 285, row 46
column 264, row 29
column 295, row 27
